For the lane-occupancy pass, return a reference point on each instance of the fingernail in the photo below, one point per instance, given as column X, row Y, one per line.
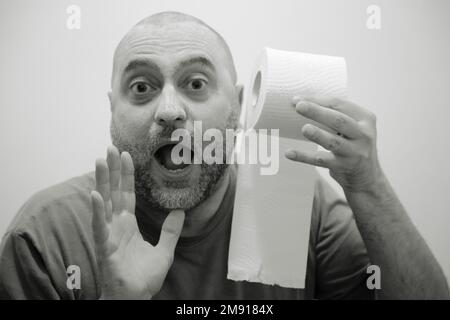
column 302, row 106
column 296, row 99
column 180, row 214
column 290, row 153
column 112, row 149
column 307, row 130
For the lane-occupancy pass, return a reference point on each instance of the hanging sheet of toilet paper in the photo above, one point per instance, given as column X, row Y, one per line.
column 272, row 213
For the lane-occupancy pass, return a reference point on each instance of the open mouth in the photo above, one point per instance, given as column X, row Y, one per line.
column 163, row 155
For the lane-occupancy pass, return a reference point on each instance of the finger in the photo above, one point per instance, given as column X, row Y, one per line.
column 102, row 179
column 127, row 182
column 171, row 230
column 334, row 143
column 99, row 227
column 344, row 106
column 102, row 185
column 337, row 121
column 113, row 161
column 322, row 159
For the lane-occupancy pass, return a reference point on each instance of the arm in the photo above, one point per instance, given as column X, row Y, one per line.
column 339, row 254
column 408, row 268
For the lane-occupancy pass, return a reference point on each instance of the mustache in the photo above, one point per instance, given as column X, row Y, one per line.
column 166, row 132
column 158, row 137
column 143, row 148
column 162, row 135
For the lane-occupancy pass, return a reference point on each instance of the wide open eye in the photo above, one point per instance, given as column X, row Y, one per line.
column 196, row 84
column 141, row 88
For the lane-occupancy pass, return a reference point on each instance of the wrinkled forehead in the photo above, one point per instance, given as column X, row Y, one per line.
column 168, row 45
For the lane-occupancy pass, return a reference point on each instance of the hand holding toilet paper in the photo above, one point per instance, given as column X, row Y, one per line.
column 272, row 213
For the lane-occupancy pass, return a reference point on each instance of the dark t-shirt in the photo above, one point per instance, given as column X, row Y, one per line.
column 52, row 231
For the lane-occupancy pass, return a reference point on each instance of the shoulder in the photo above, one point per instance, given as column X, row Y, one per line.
column 59, row 204
column 51, row 231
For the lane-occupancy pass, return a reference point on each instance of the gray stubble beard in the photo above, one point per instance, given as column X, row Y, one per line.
column 171, row 195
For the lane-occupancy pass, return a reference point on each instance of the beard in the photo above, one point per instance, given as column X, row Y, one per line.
column 170, row 195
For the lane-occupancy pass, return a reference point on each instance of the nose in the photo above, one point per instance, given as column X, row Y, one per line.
column 170, row 112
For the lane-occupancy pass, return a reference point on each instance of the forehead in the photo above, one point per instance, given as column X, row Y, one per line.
column 167, row 45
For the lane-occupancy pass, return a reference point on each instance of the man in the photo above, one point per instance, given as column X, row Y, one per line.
column 144, row 227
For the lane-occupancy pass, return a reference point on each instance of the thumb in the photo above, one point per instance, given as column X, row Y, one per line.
column 171, row 230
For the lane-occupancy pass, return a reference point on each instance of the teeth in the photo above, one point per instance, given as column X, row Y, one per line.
column 175, row 170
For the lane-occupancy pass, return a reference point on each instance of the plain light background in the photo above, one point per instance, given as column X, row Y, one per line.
column 55, row 115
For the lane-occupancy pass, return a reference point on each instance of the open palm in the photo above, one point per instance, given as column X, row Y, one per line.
column 129, row 266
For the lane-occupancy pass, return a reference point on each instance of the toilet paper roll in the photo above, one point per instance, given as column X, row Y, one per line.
column 271, row 221
column 278, row 76
column 272, row 213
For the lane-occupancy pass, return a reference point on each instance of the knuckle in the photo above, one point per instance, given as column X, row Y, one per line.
column 339, row 122
column 372, row 117
column 319, row 161
column 367, row 135
column 334, row 144
column 335, row 102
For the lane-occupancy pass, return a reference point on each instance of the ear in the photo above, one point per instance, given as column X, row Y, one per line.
column 110, row 100
column 240, row 91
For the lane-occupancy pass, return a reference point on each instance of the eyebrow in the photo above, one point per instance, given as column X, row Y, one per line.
column 205, row 62
column 147, row 63
column 140, row 63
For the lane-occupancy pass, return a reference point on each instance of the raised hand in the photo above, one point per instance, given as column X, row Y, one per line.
column 410, row 271
column 352, row 160
column 129, row 267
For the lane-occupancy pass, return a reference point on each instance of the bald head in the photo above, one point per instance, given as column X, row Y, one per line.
column 171, row 18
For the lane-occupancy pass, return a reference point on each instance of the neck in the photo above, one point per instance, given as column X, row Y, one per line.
column 198, row 218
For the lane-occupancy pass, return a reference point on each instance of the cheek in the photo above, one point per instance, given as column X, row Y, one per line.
column 213, row 114
column 132, row 122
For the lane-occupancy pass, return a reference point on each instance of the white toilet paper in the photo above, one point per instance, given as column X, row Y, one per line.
column 270, row 229
column 281, row 75
column 272, row 213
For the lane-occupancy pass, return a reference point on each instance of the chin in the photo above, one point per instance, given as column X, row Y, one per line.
column 175, row 179
column 176, row 189
column 170, row 198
